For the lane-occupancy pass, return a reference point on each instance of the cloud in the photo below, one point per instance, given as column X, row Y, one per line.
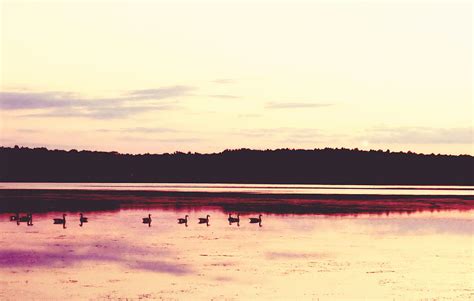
column 43, row 100
column 64, row 104
column 160, row 93
column 161, row 140
column 295, row 105
column 224, row 81
column 419, row 135
column 142, row 130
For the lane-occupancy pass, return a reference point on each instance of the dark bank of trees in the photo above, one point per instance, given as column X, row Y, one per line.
column 319, row 166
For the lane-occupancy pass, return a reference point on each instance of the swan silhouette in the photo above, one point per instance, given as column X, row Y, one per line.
column 147, row 220
column 205, row 220
column 183, row 220
column 256, row 220
column 82, row 219
column 60, row 221
column 232, row 219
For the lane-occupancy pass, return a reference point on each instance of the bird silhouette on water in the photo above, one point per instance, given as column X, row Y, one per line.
column 60, row 221
column 256, row 220
column 28, row 219
column 183, row 220
column 232, row 219
column 147, row 220
column 82, row 219
column 205, row 220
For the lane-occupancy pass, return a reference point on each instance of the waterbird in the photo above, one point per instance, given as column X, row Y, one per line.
column 24, row 219
column 183, row 220
column 60, row 221
column 82, row 219
column 147, row 220
column 255, row 220
column 234, row 219
column 205, row 220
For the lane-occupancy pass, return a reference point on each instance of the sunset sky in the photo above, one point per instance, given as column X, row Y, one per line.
column 161, row 76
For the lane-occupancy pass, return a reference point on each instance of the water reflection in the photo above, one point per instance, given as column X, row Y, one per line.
column 399, row 256
column 88, row 201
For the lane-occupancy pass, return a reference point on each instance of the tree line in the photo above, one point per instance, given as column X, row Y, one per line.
column 316, row 166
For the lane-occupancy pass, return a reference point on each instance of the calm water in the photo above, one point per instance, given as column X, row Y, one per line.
column 422, row 255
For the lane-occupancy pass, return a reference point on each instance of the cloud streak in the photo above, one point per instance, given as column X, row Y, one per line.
column 64, row 104
column 420, row 135
column 295, row 105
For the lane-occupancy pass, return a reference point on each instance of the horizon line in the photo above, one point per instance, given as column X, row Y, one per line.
column 241, row 149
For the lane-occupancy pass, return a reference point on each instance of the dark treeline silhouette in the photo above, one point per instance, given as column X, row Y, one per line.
column 318, row 166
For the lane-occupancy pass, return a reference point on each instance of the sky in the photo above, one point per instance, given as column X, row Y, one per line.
column 204, row 76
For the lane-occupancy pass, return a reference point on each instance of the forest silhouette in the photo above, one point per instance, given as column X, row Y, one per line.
column 318, row 166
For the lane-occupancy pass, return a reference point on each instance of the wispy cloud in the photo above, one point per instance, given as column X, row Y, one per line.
column 161, row 140
column 160, row 93
column 224, row 81
column 143, row 130
column 64, row 104
column 295, row 105
column 419, row 135
column 42, row 100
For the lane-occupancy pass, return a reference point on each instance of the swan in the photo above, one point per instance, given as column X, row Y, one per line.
column 203, row 220
column 147, row 220
column 255, row 220
column 183, row 220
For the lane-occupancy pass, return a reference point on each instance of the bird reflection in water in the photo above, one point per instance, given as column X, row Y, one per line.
column 147, row 220
column 183, row 220
column 256, row 220
column 205, row 220
column 232, row 219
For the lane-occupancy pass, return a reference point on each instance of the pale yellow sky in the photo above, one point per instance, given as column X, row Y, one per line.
column 160, row 76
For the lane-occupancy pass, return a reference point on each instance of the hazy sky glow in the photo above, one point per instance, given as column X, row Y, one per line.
column 161, row 76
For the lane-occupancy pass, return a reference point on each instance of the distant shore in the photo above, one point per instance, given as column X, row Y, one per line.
column 42, row 200
column 280, row 166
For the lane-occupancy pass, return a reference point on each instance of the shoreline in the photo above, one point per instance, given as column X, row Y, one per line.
column 43, row 200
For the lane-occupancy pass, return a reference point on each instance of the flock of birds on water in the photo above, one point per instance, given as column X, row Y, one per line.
column 28, row 219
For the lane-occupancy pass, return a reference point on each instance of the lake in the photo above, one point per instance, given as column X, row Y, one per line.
column 314, row 242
